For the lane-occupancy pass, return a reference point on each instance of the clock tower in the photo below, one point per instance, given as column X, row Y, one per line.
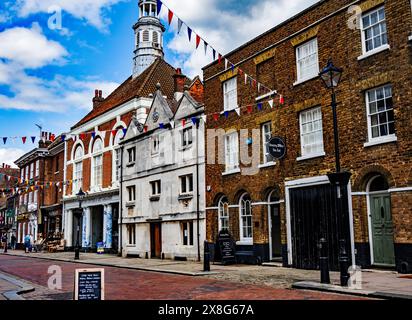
column 148, row 37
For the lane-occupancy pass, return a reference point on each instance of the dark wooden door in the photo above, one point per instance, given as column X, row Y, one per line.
column 275, row 231
column 314, row 216
column 156, row 240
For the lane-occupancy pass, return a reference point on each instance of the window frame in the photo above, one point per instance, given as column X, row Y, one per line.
column 388, row 137
column 131, row 234
column 97, row 170
column 229, row 152
column 187, row 240
column 131, row 155
column 183, row 143
column 77, row 161
column 304, row 154
column 299, row 77
column 267, row 158
column 243, row 239
column 223, row 207
column 226, row 94
column 131, row 192
column 186, row 179
column 363, row 37
column 157, row 190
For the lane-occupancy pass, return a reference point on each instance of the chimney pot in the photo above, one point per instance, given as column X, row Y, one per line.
column 100, row 93
column 96, row 93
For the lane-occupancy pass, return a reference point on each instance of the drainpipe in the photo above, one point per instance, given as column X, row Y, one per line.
column 197, row 190
column 121, row 204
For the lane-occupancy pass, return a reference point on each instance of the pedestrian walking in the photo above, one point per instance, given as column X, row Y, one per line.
column 13, row 241
column 4, row 241
column 27, row 243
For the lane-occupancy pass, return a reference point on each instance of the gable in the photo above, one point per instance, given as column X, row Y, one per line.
column 187, row 107
column 160, row 112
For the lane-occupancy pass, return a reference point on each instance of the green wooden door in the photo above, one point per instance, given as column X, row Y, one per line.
column 382, row 230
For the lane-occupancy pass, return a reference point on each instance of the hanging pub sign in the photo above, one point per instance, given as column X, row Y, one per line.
column 89, row 284
column 277, row 148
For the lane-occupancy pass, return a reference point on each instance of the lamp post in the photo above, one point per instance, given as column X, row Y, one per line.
column 331, row 77
column 80, row 196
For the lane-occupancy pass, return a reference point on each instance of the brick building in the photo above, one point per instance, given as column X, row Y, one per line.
column 32, row 185
column 284, row 209
column 92, row 158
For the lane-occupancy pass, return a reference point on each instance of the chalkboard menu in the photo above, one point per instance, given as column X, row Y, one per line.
column 227, row 247
column 89, row 284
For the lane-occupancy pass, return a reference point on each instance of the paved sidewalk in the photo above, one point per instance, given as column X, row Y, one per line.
column 12, row 288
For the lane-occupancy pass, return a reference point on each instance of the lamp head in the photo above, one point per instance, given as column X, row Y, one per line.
column 331, row 75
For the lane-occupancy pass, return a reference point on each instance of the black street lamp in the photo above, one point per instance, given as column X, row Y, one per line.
column 331, row 76
column 79, row 214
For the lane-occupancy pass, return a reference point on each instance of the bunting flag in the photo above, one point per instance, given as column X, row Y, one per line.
column 194, row 120
column 189, row 33
column 4, row 140
column 93, row 135
column 281, row 99
column 161, row 125
column 226, row 114
column 220, row 58
column 33, row 139
column 124, row 131
column 145, row 128
column 170, row 16
column 23, row 139
column 238, row 111
column 197, row 40
column 204, row 117
column 226, row 62
column 249, row 109
column 114, row 132
column 63, row 136
column 179, row 25
column 216, row 116
column 205, row 46
column 159, row 6
column 246, row 76
column 83, row 136
column 172, row 124
column 214, row 54
column 260, row 106
column 270, row 103
column 183, row 122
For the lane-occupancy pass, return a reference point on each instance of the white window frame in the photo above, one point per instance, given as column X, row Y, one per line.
column 382, row 47
column 230, row 94
column 31, row 170
column 267, row 158
column 78, row 169
column 223, row 213
column 186, row 180
column 27, row 172
column 186, row 137
column 188, row 226
column 35, row 197
column 97, row 168
column 242, row 214
column 231, row 152
column 116, row 154
column 305, row 154
column 301, row 77
column 157, row 186
column 381, row 139
column 37, row 168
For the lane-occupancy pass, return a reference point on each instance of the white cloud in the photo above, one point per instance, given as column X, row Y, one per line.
column 225, row 29
column 25, row 48
column 9, row 155
column 94, row 12
column 29, row 47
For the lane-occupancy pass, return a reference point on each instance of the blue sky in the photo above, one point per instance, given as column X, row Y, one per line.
column 48, row 75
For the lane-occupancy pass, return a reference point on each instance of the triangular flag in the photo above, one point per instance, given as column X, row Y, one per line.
column 145, row 128
column 246, row 78
column 93, row 135
column 281, row 99
column 124, row 131
column 43, row 139
column 240, row 71
column 260, row 106
column 4, row 140
column 23, row 139
column 226, row 114
column 114, row 132
column 226, row 62
column 197, row 41
column 205, row 46
column 204, row 118
column 161, row 125
column 215, row 116
column 179, row 25
column 271, row 103
column 170, row 16
column 159, row 6
column 238, row 111
column 63, row 137
column 172, row 124
column 82, row 136
column 249, row 109
column 220, row 58
column 214, row 54
column 183, row 122
column 233, row 67
column 258, row 86
column 194, row 120
column 189, row 33
column 254, row 83
column 33, row 139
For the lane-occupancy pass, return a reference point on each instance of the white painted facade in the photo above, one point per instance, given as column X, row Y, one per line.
column 172, row 208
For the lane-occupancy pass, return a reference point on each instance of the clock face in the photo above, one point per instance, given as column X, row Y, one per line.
column 155, row 116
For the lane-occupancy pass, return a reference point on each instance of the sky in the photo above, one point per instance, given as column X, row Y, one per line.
column 55, row 53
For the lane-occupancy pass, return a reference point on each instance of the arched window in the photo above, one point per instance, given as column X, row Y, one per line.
column 378, row 183
column 223, row 214
column 116, row 155
column 97, row 163
column 155, row 37
column 78, row 169
column 245, row 225
column 145, row 36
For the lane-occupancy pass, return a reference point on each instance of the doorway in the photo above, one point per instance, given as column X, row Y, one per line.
column 275, row 245
column 97, row 225
column 380, row 223
column 77, row 222
column 156, row 240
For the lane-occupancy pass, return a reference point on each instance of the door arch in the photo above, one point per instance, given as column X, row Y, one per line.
column 380, row 222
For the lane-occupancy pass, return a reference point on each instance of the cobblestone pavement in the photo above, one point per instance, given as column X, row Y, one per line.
column 127, row 284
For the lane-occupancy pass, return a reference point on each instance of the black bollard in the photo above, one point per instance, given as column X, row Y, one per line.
column 344, row 263
column 206, row 258
column 324, row 261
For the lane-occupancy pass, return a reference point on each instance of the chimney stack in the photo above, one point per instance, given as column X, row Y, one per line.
column 98, row 98
column 179, row 83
